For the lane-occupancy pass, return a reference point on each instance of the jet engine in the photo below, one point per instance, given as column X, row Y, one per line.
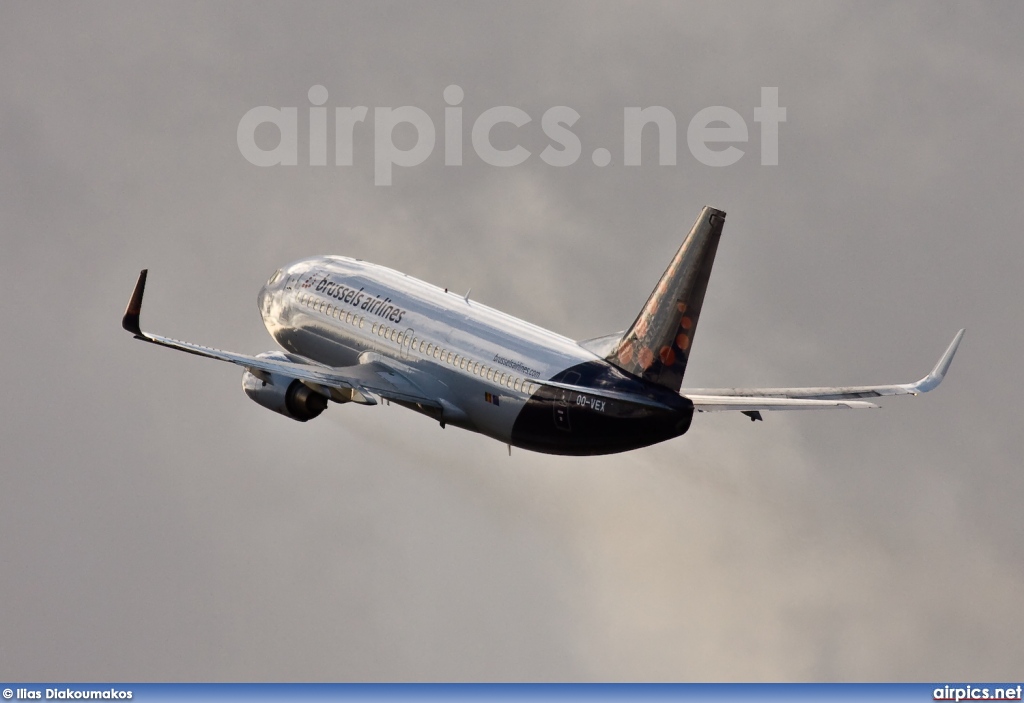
column 288, row 396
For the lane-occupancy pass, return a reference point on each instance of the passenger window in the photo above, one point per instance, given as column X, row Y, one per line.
column 373, row 328
column 329, row 310
column 361, row 321
column 518, row 385
column 490, row 374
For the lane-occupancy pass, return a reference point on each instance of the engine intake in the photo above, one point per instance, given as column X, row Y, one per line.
column 285, row 396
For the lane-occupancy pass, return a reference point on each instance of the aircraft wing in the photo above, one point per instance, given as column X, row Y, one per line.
column 751, row 400
column 375, row 376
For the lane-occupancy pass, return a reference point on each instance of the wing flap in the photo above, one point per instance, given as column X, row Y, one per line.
column 717, row 403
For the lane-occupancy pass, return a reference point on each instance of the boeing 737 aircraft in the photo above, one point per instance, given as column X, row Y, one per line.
column 356, row 332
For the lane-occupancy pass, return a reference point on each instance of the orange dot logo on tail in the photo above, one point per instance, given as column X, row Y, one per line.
column 667, row 356
column 646, row 358
column 641, row 327
column 626, row 353
column 683, row 342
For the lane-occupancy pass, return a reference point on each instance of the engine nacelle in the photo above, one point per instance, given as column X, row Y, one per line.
column 287, row 396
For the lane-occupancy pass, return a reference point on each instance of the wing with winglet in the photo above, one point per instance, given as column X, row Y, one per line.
column 751, row 400
column 373, row 377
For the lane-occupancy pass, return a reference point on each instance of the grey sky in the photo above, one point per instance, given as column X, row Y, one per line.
column 157, row 525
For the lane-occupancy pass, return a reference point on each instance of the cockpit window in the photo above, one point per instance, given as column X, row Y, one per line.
column 275, row 278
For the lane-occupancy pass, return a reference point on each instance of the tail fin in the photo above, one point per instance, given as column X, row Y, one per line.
column 657, row 346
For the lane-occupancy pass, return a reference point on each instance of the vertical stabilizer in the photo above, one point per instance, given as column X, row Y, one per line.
column 657, row 346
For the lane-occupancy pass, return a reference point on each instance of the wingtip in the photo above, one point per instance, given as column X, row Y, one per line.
column 947, row 358
column 933, row 379
column 130, row 321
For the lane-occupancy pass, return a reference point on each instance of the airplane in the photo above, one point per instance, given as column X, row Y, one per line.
column 356, row 332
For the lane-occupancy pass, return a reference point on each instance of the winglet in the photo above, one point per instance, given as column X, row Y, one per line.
column 933, row 379
column 130, row 321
